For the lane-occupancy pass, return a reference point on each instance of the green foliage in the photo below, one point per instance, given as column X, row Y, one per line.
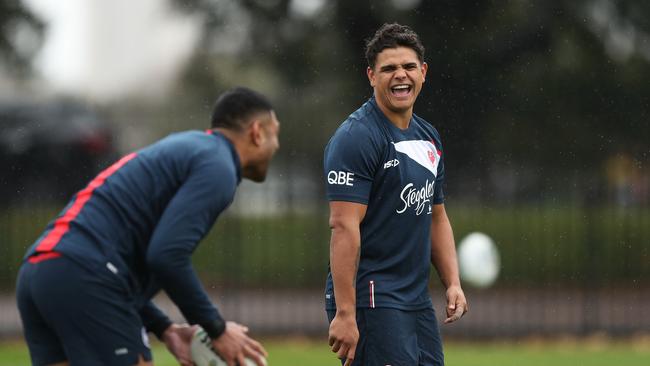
column 540, row 245
column 566, row 245
column 289, row 251
column 519, row 82
column 19, row 228
column 536, row 87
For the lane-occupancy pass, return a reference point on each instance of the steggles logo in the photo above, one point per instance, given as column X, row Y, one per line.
column 416, row 197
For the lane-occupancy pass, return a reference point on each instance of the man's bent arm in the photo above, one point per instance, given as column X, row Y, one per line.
column 186, row 219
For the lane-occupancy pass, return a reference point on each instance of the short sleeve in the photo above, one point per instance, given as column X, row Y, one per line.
column 350, row 162
column 438, row 192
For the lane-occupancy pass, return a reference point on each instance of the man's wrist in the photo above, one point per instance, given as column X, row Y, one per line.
column 160, row 327
column 346, row 310
column 214, row 328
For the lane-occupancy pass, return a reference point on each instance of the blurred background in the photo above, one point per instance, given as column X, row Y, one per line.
column 543, row 107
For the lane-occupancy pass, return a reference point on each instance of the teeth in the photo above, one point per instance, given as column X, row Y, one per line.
column 401, row 87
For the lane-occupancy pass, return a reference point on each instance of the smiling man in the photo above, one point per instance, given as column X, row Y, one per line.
column 384, row 169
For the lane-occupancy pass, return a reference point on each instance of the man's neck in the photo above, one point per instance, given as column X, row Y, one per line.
column 236, row 140
column 401, row 120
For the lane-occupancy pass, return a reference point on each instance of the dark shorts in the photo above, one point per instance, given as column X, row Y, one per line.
column 71, row 313
column 397, row 337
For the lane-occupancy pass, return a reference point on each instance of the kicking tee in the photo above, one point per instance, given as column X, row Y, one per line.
column 398, row 175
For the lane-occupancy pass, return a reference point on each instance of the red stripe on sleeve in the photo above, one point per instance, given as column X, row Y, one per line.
column 62, row 225
column 43, row 257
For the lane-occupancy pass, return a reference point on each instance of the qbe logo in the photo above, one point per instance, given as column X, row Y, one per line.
column 340, row 178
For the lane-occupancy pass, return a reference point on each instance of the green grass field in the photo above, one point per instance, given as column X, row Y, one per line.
column 528, row 353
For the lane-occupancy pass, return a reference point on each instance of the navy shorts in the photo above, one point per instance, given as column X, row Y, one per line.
column 85, row 317
column 397, row 337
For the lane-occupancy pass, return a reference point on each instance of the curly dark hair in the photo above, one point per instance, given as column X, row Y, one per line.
column 392, row 35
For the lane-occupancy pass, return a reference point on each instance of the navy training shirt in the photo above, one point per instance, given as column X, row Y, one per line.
column 398, row 174
column 142, row 218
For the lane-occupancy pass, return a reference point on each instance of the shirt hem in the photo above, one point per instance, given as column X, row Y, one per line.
column 348, row 199
column 420, row 306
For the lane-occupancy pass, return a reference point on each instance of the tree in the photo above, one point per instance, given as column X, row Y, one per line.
column 17, row 21
column 532, row 90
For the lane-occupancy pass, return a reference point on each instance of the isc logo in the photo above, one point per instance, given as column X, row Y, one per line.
column 340, row 178
column 391, row 163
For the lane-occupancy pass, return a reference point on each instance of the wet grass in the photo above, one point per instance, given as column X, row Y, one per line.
column 530, row 352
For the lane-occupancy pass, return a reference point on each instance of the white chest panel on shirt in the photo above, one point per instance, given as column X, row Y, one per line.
column 422, row 152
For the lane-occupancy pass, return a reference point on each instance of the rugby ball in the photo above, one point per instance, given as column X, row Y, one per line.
column 478, row 259
column 204, row 355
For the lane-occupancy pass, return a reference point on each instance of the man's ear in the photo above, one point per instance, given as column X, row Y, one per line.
column 425, row 67
column 371, row 76
column 256, row 133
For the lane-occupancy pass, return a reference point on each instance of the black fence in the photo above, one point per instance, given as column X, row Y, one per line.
column 572, row 269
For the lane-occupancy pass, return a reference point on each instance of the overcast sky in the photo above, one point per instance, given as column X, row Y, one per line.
column 107, row 50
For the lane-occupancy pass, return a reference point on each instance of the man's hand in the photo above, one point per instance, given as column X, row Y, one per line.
column 456, row 304
column 343, row 337
column 234, row 345
column 177, row 338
